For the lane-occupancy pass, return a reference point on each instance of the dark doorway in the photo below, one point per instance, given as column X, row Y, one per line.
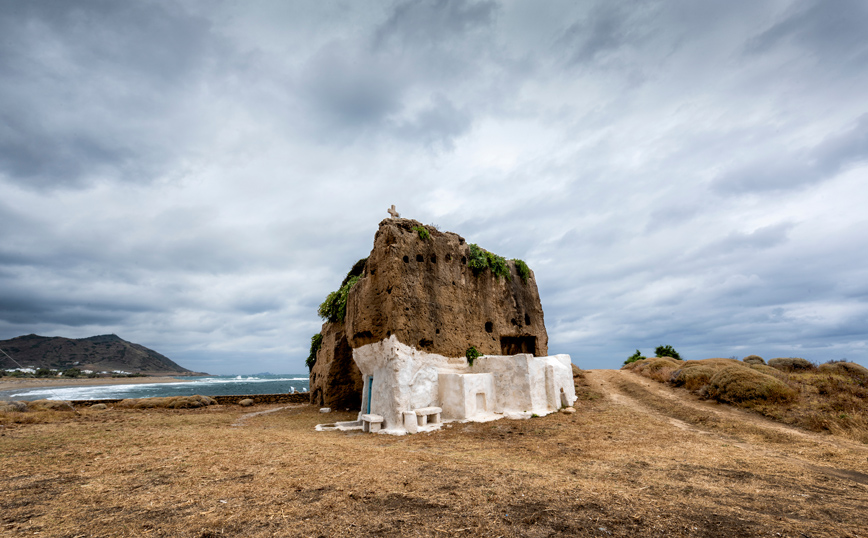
column 513, row 345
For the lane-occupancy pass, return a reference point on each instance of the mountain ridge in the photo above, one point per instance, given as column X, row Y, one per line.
column 106, row 352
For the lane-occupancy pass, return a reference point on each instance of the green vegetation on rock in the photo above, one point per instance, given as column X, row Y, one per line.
column 315, row 344
column 480, row 260
column 423, row 232
column 334, row 308
column 522, row 268
column 472, row 354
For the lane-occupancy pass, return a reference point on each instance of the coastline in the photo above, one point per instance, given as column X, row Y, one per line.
column 7, row 383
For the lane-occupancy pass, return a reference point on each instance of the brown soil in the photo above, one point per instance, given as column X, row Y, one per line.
column 637, row 459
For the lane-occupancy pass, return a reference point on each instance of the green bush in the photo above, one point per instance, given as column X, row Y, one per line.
column 480, row 260
column 315, row 344
column 334, row 308
column 423, row 232
column 72, row 372
column 472, row 354
column 477, row 261
column 634, row 357
column 522, row 269
column 44, row 372
column 667, row 351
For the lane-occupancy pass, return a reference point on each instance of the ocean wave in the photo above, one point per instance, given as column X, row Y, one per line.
column 210, row 386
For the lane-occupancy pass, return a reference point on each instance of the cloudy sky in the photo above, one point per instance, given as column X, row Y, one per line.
column 197, row 176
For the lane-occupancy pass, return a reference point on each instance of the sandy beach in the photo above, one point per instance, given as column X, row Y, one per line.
column 7, row 383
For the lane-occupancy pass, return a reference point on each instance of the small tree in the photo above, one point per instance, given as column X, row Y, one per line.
column 634, row 357
column 667, row 351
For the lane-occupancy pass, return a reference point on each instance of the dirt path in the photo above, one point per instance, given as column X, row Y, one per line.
column 740, row 428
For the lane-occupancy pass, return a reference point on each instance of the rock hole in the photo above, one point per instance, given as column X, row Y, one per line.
column 433, row 258
column 389, row 290
column 449, row 257
column 437, row 331
column 373, row 271
column 513, row 322
column 406, row 259
column 425, row 343
column 489, row 326
column 419, row 258
column 526, row 319
column 463, row 260
column 513, row 345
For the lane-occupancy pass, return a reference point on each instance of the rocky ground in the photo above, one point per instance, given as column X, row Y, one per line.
column 638, row 459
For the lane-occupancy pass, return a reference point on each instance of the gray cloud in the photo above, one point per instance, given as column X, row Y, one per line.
column 198, row 177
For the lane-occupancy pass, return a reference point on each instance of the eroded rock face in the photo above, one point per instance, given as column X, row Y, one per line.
column 423, row 292
column 335, row 380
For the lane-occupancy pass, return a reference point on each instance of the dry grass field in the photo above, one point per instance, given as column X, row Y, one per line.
column 637, row 459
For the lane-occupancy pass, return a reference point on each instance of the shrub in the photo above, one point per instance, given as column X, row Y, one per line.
column 667, row 351
column 472, row 354
column 423, row 232
column 739, row 385
column 754, row 359
column 315, row 344
column 847, row 369
column 634, row 357
column 791, row 364
column 50, row 405
column 522, row 269
column 334, row 308
column 657, row 368
column 477, row 261
column 693, row 378
column 43, row 372
column 480, row 260
column 72, row 372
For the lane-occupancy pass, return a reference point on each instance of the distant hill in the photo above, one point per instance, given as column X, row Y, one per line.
column 98, row 353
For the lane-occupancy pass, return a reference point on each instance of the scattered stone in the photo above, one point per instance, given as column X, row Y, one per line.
column 246, row 402
column 325, row 410
column 99, row 406
column 568, row 410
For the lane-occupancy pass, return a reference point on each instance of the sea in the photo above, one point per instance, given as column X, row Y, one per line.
column 185, row 386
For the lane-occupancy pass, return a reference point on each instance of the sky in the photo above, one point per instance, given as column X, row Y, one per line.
column 197, row 176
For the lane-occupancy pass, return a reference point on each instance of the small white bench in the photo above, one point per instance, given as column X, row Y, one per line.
column 423, row 413
column 371, row 423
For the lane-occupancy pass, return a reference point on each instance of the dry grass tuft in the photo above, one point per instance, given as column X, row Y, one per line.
column 50, row 405
column 791, row 364
column 829, row 399
column 753, row 359
column 850, row 369
column 746, row 387
column 657, row 368
column 168, row 402
column 693, row 378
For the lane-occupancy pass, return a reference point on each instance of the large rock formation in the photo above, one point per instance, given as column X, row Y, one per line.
column 422, row 287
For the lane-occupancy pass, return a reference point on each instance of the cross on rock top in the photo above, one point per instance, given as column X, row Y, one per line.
column 393, row 212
